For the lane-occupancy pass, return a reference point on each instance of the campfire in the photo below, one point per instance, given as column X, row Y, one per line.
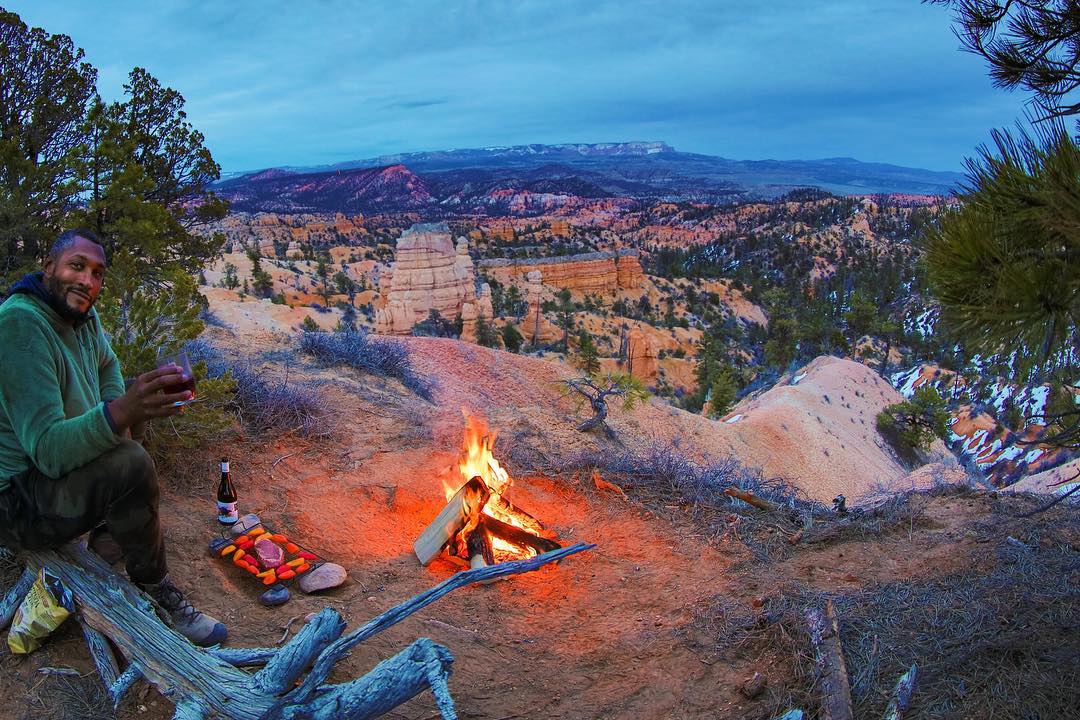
column 479, row 523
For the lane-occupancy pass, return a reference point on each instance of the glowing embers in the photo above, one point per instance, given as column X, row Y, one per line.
column 479, row 523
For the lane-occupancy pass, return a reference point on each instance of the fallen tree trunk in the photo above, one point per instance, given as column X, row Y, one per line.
column 829, row 659
column 208, row 682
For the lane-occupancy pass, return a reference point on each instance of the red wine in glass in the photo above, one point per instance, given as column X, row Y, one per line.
column 180, row 360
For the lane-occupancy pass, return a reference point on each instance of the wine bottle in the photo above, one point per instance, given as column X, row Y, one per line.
column 226, row 496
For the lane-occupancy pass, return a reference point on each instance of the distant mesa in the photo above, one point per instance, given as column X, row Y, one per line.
column 522, row 179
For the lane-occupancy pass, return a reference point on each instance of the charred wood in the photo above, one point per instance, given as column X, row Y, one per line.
column 901, row 699
column 516, row 536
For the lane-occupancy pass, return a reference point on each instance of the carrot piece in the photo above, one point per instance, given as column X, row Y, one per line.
column 229, row 550
column 287, row 575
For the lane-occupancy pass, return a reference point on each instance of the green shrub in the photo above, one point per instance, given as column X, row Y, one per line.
column 915, row 423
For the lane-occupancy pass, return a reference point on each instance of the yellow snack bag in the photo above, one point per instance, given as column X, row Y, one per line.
column 45, row 608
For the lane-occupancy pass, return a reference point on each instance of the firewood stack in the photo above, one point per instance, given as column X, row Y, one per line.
column 468, row 529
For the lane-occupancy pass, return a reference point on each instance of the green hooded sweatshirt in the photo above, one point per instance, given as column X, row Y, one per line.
column 54, row 378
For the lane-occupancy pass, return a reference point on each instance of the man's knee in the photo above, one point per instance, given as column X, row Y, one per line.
column 129, row 464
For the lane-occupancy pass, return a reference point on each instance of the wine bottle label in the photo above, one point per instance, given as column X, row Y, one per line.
column 227, row 512
column 225, row 467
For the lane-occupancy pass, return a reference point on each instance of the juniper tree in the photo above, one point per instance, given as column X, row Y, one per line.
column 511, row 338
column 45, row 92
column 588, row 358
column 915, row 422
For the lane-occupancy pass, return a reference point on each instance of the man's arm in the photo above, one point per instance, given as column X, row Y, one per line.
column 31, row 398
column 110, row 376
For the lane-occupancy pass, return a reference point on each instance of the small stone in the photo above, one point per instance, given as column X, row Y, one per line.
column 323, row 577
column 247, row 522
column 276, row 595
column 754, row 686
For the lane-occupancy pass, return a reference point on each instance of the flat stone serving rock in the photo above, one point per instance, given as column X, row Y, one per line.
column 247, row 522
column 324, row 577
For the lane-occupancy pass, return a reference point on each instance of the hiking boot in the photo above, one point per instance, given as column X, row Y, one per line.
column 102, row 542
column 197, row 627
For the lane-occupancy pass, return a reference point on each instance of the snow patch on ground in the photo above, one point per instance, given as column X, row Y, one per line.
column 795, row 380
column 733, row 419
column 905, row 381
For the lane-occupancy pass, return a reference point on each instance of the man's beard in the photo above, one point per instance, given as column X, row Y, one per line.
column 58, row 301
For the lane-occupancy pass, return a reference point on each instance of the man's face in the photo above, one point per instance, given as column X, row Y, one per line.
column 74, row 279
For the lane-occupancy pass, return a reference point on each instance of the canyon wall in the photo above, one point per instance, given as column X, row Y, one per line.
column 597, row 273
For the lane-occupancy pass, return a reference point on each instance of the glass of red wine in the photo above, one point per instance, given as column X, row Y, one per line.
column 181, row 361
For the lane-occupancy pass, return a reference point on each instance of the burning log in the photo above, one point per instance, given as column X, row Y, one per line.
column 517, row 536
column 481, row 553
column 465, row 505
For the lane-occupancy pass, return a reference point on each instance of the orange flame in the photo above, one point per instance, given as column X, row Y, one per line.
column 477, row 458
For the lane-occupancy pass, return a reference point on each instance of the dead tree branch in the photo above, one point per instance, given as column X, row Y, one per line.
column 829, row 659
column 207, row 683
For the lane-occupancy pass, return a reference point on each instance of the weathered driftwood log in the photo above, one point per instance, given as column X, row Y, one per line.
column 517, row 536
column 750, row 498
column 207, row 682
column 15, row 596
column 102, row 653
column 451, row 520
column 905, row 688
column 337, row 650
column 829, row 658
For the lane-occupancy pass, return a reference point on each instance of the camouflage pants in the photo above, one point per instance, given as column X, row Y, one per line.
column 119, row 489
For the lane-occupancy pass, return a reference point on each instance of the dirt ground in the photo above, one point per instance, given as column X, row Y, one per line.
column 616, row 632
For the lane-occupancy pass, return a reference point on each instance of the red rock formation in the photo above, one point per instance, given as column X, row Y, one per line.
column 642, row 356
column 599, row 272
column 428, row 273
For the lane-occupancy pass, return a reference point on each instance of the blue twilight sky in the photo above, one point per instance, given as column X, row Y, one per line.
column 271, row 82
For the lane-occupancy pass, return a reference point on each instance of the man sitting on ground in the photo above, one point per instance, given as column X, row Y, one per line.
column 67, row 465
